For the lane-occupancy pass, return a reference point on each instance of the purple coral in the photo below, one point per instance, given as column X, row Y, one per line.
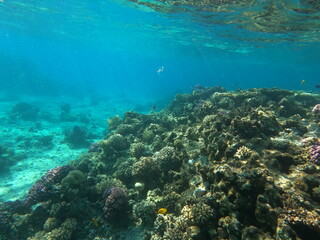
column 43, row 189
column 315, row 154
column 116, row 204
column 316, row 110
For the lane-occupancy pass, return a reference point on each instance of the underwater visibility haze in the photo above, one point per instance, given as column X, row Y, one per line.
column 153, row 119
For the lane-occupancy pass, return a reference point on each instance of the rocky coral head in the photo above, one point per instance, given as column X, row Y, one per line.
column 77, row 137
column 116, row 204
column 24, row 111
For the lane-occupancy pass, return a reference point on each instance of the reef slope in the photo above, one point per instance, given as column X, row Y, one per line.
column 212, row 165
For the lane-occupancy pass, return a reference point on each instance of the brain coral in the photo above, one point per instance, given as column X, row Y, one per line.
column 74, row 179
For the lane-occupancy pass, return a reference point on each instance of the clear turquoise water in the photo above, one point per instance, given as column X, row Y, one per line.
column 107, row 48
column 105, row 57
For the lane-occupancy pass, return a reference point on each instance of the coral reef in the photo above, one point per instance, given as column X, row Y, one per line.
column 213, row 165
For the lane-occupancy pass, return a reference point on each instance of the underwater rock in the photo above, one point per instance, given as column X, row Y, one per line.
column 76, row 137
column 24, row 111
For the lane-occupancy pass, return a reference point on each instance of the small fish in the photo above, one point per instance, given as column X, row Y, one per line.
column 303, row 82
column 317, row 86
column 160, row 70
column 154, row 107
column 162, row 211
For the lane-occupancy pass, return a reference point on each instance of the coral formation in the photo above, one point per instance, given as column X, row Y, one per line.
column 166, row 158
column 243, row 152
column 315, row 153
column 186, row 225
column 43, row 189
column 24, row 111
column 76, row 137
column 114, row 122
column 213, row 165
column 146, row 169
column 74, row 179
column 118, row 142
column 116, row 205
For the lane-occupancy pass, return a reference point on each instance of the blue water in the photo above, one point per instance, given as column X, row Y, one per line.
column 115, row 48
column 105, row 57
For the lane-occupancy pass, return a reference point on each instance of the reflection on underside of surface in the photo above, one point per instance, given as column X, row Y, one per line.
column 265, row 16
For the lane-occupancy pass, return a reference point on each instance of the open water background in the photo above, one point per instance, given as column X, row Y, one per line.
column 109, row 49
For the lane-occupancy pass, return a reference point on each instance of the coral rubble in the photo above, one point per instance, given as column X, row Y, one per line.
column 213, row 165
